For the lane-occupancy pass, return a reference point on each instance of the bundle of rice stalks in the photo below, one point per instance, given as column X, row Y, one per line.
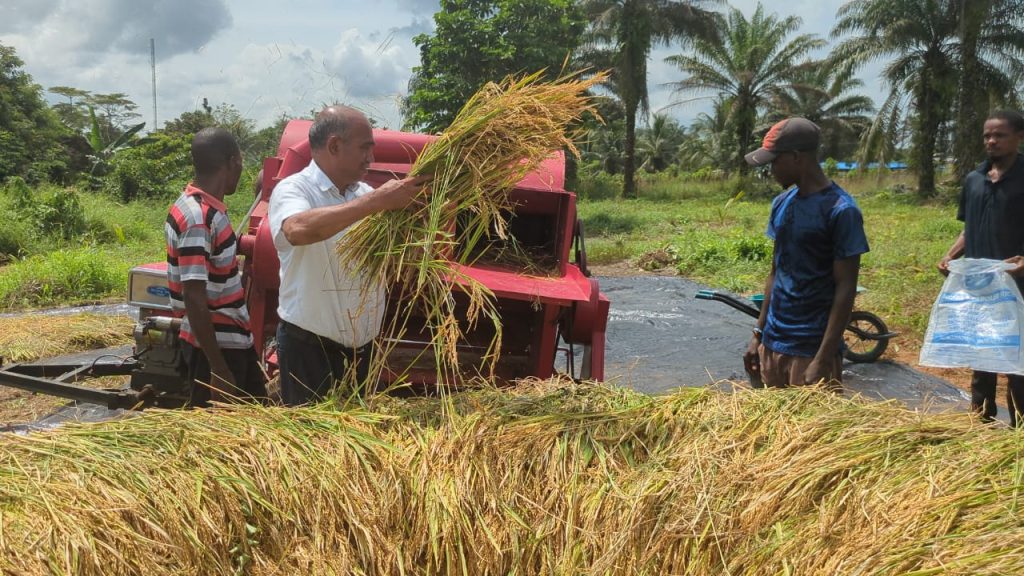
column 502, row 133
column 549, row 478
column 34, row 336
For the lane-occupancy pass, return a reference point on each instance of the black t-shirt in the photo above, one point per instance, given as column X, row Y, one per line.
column 993, row 212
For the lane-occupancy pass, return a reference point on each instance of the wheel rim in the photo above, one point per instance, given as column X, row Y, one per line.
column 862, row 348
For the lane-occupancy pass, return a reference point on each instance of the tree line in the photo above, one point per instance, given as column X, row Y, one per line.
column 945, row 64
column 94, row 139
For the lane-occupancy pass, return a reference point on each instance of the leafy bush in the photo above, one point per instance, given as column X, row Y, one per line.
column 53, row 210
column 101, row 230
column 158, row 168
column 705, row 174
column 108, row 221
column 754, row 186
column 60, row 212
column 62, row 276
column 595, row 184
column 15, row 239
column 739, row 260
column 18, row 193
column 751, row 248
column 831, row 167
column 706, row 253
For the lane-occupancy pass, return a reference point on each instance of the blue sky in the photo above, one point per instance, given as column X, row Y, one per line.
column 269, row 58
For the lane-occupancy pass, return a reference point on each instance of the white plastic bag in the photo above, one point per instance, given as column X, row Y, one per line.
column 976, row 320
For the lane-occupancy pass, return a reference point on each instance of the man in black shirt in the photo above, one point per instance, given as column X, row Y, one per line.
column 992, row 210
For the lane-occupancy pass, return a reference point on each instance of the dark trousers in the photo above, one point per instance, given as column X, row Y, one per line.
column 244, row 366
column 311, row 364
column 983, row 395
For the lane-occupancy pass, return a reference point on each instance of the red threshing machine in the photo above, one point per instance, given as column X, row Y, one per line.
column 541, row 314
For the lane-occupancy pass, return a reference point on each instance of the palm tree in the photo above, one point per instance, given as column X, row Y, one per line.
column 921, row 36
column 622, row 33
column 750, row 62
column 709, row 141
column 990, row 33
column 821, row 92
column 604, row 146
column 658, row 144
column 924, row 40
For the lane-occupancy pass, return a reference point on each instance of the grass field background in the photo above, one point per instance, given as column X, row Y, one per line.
column 715, row 234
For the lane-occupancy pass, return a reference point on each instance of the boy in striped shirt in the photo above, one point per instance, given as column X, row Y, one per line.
column 204, row 279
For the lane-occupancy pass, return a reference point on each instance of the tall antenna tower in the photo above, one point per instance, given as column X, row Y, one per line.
column 152, row 65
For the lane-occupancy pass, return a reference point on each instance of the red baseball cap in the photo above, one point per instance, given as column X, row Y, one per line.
column 790, row 134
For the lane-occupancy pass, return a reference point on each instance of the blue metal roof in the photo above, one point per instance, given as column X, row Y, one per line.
column 847, row 166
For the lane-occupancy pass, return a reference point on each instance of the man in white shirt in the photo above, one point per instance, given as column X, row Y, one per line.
column 328, row 321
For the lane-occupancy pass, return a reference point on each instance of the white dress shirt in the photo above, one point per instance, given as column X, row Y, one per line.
column 318, row 292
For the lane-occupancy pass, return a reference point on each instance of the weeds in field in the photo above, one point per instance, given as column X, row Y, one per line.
column 719, row 240
column 63, row 276
column 65, row 246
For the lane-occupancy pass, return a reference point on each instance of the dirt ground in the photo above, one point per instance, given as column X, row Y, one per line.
column 626, row 268
column 20, row 407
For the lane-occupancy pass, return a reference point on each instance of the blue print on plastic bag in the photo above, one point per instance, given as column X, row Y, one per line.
column 996, row 297
column 977, row 319
column 978, row 281
column 974, row 340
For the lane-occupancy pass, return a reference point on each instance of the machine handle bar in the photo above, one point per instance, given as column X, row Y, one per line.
column 753, row 311
column 738, row 304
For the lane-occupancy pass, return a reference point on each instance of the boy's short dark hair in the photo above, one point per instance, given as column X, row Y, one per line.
column 212, row 149
column 1011, row 117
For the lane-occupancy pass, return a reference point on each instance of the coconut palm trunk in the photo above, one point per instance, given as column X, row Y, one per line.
column 932, row 103
column 629, row 157
column 925, row 157
column 746, row 115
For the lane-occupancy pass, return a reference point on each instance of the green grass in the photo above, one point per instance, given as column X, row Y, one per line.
column 43, row 269
column 66, row 275
column 704, row 233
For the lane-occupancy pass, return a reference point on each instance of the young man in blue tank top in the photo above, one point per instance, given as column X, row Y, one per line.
column 818, row 234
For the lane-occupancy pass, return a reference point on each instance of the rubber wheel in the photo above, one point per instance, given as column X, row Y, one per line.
column 858, row 348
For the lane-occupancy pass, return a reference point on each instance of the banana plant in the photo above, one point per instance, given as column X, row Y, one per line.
column 102, row 152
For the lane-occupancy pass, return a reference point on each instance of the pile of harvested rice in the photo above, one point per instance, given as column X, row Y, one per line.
column 548, row 478
column 33, row 336
column 505, row 131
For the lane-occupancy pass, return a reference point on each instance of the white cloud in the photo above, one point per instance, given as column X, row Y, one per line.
column 419, row 7
column 271, row 57
column 80, row 30
column 21, row 14
column 367, row 70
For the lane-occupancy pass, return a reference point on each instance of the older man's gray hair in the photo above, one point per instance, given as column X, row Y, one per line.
column 331, row 121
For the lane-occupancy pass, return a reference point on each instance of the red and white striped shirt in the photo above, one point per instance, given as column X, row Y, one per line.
column 201, row 245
